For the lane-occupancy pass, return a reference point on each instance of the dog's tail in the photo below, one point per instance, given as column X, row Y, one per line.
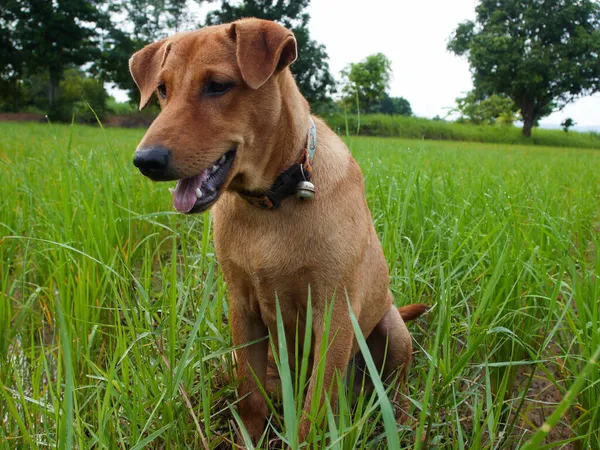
column 410, row 312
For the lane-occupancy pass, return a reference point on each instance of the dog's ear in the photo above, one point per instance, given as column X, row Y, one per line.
column 263, row 48
column 144, row 66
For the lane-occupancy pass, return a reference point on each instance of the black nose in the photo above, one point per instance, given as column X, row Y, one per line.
column 153, row 162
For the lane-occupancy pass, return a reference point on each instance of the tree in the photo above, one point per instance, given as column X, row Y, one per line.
column 367, row 82
column 311, row 69
column 152, row 20
column 395, row 106
column 77, row 92
column 55, row 35
column 543, row 54
column 11, row 59
column 136, row 24
column 567, row 123
column 495, row 109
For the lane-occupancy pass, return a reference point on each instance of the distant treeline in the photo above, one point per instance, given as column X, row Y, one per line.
column 419, row 128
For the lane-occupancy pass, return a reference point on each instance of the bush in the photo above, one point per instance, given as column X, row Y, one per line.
column 119, row 109
column 419, row 128
column 76, row 92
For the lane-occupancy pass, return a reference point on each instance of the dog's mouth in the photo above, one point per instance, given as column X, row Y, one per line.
column 197, row 193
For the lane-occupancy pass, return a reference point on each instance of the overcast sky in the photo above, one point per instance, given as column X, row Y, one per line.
column 413, row 35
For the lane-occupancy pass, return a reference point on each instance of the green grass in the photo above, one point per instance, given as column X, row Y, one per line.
column 421, row 128
column 113, row 330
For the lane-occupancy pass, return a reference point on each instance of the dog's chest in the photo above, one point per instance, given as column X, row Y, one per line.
column 271, row 259
column 270, row 245
column 276, row 258
column 264, row 274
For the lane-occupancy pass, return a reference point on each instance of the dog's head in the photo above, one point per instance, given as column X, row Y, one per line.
column 217, row 88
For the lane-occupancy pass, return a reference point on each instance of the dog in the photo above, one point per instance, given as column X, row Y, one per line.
column 287, row 198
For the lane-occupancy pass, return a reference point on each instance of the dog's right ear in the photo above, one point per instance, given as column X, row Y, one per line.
column 144, row 66
column 263, row 47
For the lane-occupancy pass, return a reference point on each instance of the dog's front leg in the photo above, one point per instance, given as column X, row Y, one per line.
column 251, row 362
column 339, row 348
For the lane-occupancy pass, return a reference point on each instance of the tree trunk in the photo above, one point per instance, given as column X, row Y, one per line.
column 528, row 113
column 53, row 89
column 50, row 93
column 527, row 126
column 17, row 97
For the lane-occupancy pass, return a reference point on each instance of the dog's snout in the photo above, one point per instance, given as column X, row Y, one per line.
column 153, row 162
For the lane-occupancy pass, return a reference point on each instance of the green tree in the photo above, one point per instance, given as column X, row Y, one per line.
column 395, row 106
column 112, row 64
column 56, row 35
column 495, row 109
column 151, row 20
column 540, row 53
column 367, row 82
column 11, row 59
column 311, row 69
column 77, row 92
column 137, row 23
column 567, row 123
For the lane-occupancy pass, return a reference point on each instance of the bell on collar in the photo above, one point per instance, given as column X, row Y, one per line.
column 305, row 190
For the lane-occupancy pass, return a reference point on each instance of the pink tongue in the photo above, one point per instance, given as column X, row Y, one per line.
column 184, row 196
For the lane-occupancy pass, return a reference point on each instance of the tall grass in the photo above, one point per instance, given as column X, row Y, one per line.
column 113, row 316
column 420, row 128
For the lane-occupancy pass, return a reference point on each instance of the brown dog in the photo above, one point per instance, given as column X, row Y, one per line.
column 233, row 130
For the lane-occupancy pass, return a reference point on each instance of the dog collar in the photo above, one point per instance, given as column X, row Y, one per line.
column 287, row 183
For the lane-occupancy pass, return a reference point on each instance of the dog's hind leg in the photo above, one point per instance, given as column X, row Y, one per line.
column 390, row 346
column 392, row 335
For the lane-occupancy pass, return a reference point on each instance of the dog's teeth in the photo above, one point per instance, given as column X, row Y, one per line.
column 222, row 160
column 198, row 193
column 214, row 169
column 171, row 190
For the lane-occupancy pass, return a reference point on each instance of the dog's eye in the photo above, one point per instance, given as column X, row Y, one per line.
column 162, row 90
column 216, row 88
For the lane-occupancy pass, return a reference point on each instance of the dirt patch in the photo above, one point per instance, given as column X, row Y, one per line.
column 137, row 120
column 129, row 121
column 22, row 117
column 541, row 399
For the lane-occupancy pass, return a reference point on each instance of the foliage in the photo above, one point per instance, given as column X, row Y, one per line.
column 437, row 129
column 100, row 35
column 112, row 64
column 394, row 106
column 536, row 52
column 11, row 59
column 54, row 36
column 366, row 82
column 311, row 69
column 34, row 92
column 79, row 91
column 112, row 309
column 136, row 24
column 152, row 20
column 120, row 109
column 495, row 109
column 567, row 123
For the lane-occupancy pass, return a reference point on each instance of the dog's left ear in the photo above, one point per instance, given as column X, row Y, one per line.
column 263, row 48
column 144, row 66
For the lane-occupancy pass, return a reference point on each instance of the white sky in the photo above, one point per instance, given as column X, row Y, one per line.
column 413, row 35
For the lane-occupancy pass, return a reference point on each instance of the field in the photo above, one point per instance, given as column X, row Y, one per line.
column 113, row 330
